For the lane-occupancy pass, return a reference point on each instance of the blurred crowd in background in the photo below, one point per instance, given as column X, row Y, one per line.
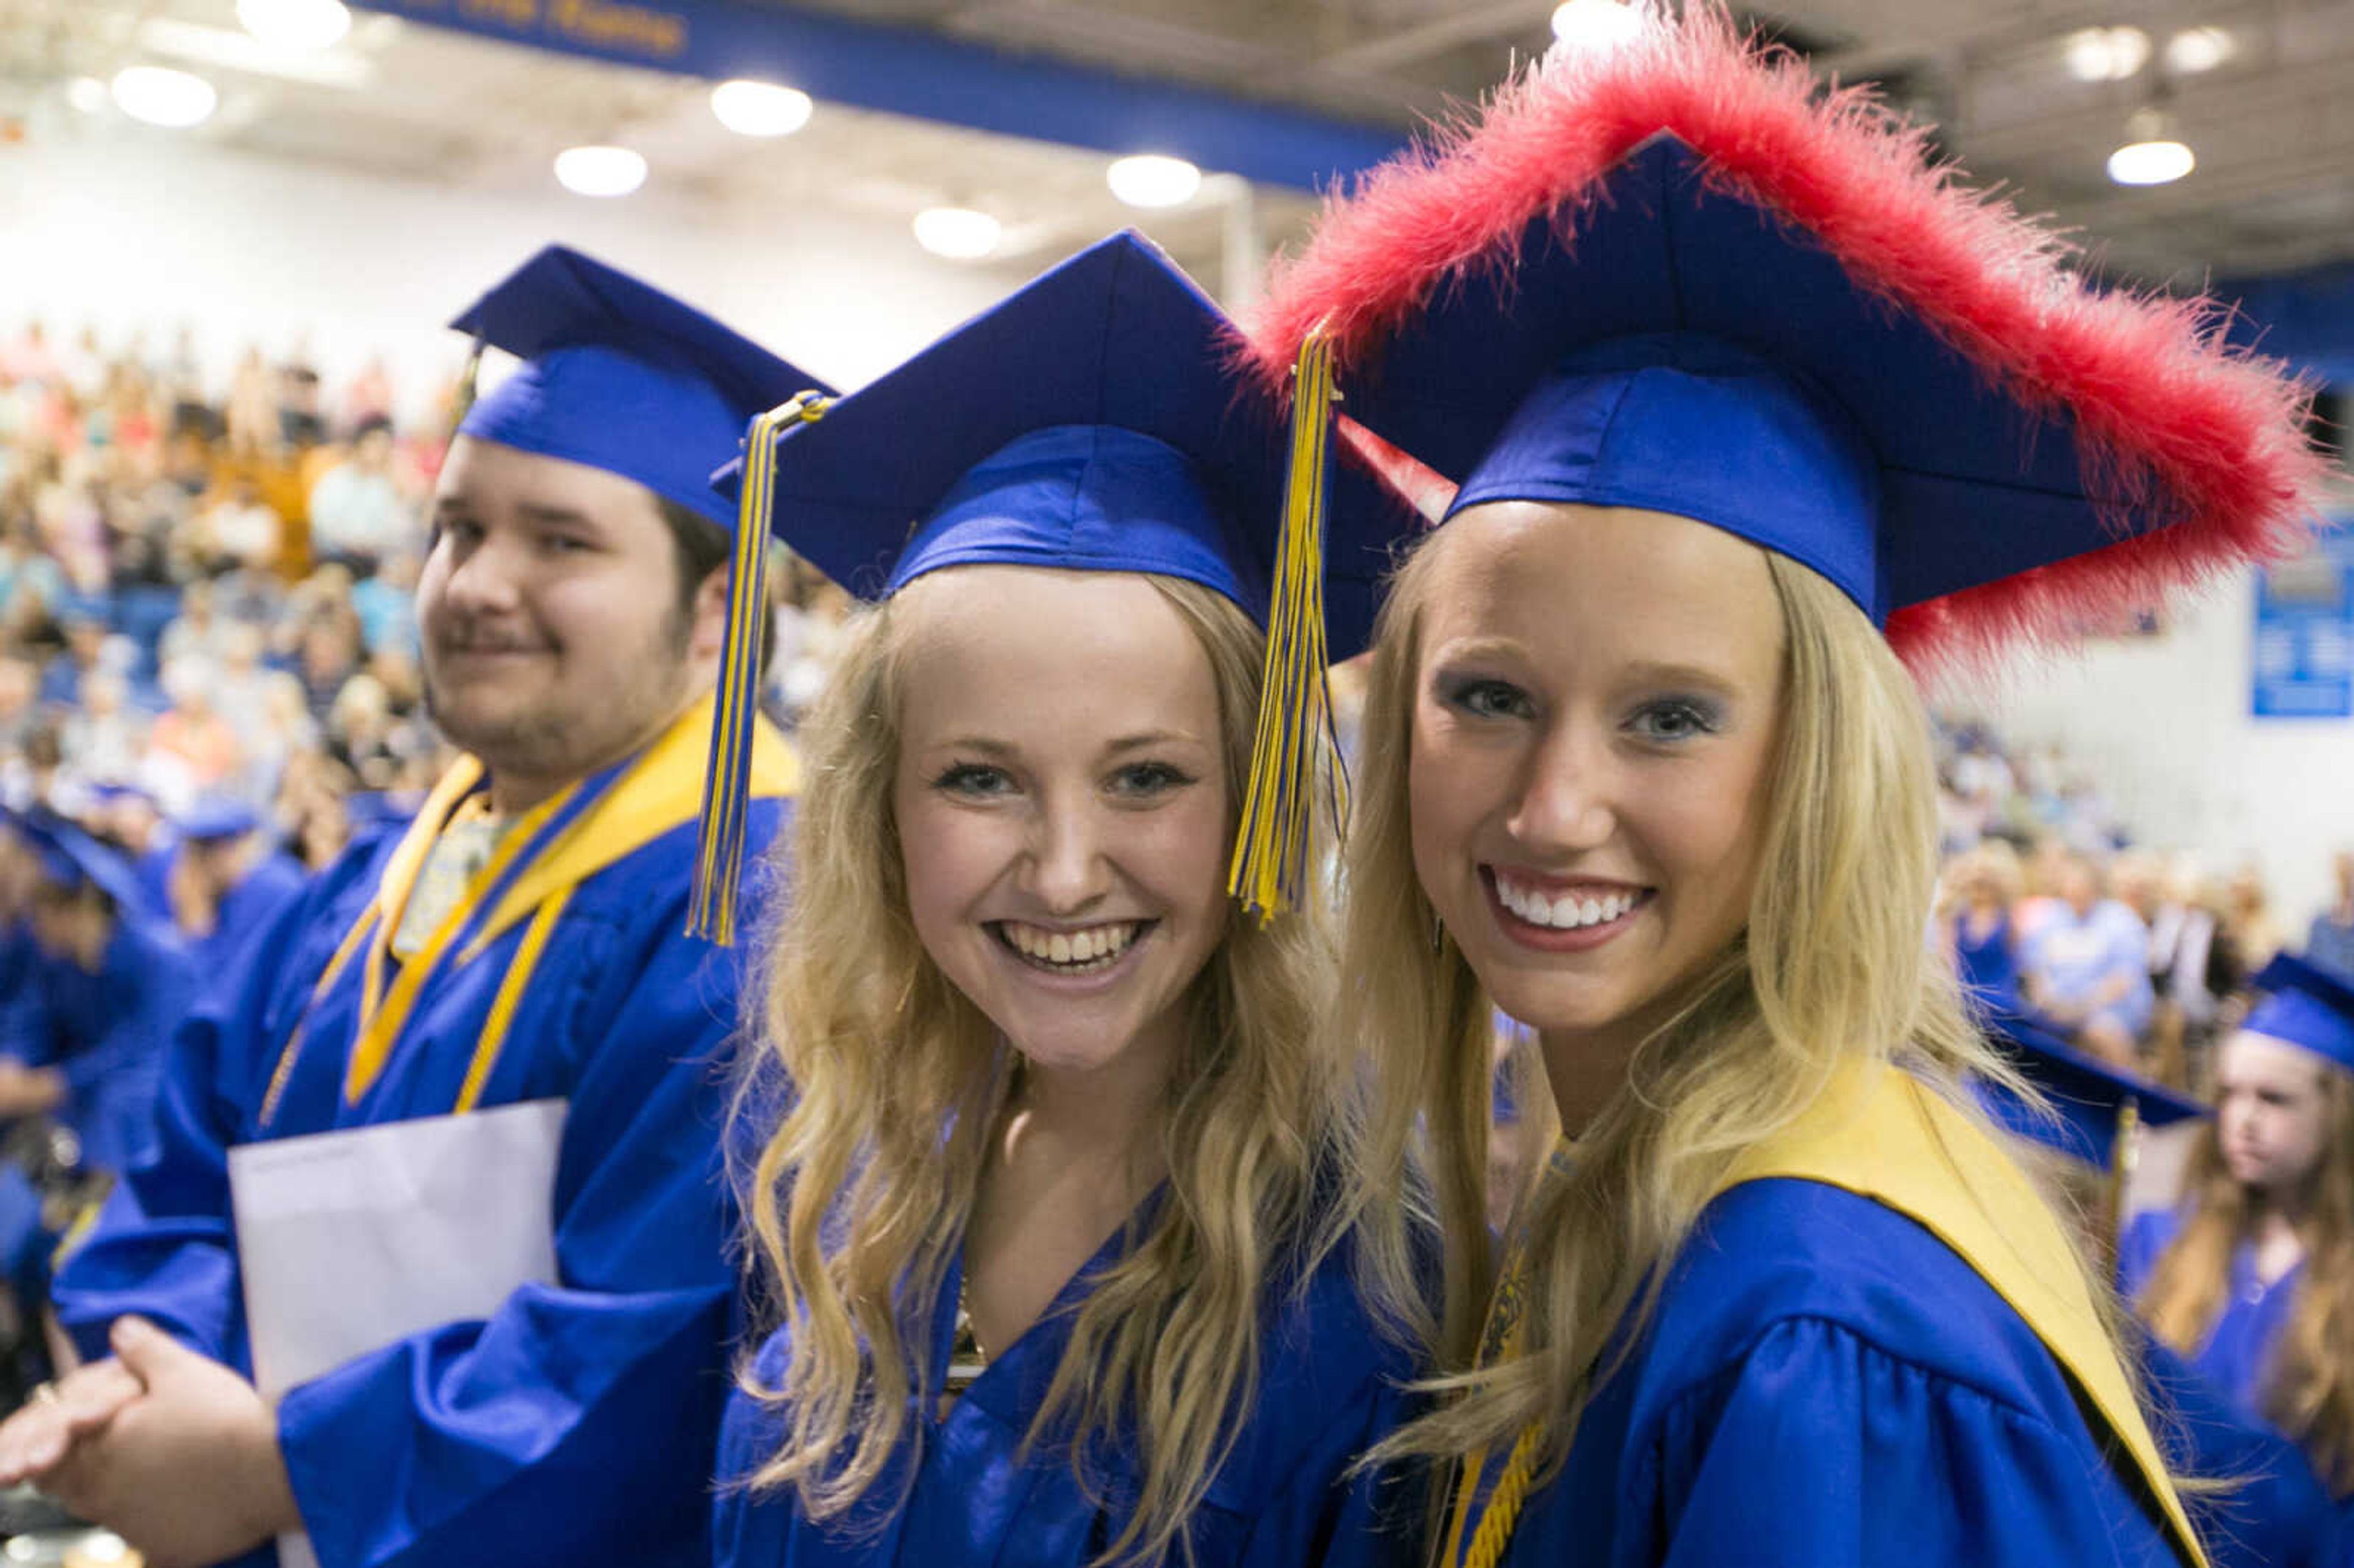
column 2141, row 954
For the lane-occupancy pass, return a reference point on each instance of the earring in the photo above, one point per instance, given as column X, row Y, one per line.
column 1438, row 933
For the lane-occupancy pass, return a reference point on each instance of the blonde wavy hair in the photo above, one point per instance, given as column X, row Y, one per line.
column 2309, row 1386
column 859, row 1194
column 1831, row 968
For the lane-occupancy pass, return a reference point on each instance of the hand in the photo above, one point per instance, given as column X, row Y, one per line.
column 29, row 1091
column 62, row 1414
column 189, row 1472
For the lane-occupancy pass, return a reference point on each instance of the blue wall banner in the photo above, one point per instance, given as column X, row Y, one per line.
column 931, row 76
column 2305, row 632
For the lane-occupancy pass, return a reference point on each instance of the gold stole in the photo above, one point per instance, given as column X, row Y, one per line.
column 661, row 791
column 1877, row 1133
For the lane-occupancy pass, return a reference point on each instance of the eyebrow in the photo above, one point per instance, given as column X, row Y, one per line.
column 535, row 512
column 999, row 748
column 1642, row 671
column 1655, row 673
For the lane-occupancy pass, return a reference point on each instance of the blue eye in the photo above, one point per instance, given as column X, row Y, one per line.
column 1482, row 697
column 973, row 780
column 1147, row 779
column 1675, row 719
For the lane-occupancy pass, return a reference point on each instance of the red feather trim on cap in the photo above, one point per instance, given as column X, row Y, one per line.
column 2170, row 418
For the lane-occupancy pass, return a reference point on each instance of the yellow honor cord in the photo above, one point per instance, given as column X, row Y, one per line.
column 1269, row 870
column 726, row 786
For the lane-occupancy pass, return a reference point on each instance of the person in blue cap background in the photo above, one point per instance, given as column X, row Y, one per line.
column 2252, row 1276
column 2266, row 1509
column 20, row 956
column 85, row 1052
column 1031, row 1230
column 495, row 1031
column 227, row 879
column 115, row 983
column 1732, row 402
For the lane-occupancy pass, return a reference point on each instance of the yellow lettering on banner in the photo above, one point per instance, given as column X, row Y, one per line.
column 614, row 25
column 509, row 12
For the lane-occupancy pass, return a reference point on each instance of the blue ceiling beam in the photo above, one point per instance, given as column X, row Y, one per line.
column 908, row 71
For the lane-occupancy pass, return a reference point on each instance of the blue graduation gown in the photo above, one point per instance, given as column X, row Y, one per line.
column 2237, row 1355
column 1329, row 1388
column 265, row 887
column 2274, row 1513
column 23, row 1028
column 1825, row 1383
column 107, row 1033
column 576, row 1423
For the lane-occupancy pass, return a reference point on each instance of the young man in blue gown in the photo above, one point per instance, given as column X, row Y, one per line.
column 505, row 989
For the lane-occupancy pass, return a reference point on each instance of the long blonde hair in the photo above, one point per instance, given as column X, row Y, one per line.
column 1831, row 968
column 896, row 1082
column 2309, row 1386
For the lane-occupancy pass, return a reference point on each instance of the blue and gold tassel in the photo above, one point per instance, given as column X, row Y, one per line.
column 727, row 776
column 1294, row 715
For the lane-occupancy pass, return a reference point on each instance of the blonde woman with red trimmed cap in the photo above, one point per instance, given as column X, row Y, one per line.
column 1744, row 408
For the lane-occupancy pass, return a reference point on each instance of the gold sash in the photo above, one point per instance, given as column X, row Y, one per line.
column 661, row 791
column 1879, row 1134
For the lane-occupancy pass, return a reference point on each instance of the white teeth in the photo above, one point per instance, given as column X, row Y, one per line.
column 1567, row 913
column 1094, row 947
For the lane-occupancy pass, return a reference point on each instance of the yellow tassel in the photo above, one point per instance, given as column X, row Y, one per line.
column 462, row 396
column 1269, row 870
column 727, row 782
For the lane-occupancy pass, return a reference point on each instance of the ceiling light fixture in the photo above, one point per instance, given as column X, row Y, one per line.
column 1594, row 23
column 958, row 233
column 2197, row 49
column 2152, row 154
column 760, row 107
column 2106, row 54
column 87, row 94
column 162, row 96
column 599, row 171
column 1149, row 179
column 304, row 25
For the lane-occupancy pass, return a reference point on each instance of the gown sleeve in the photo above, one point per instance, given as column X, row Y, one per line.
column 525, row 1436
column 1816, row 1449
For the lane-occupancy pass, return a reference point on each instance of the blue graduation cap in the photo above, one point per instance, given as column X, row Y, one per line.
column 2306, row 1005
column 2089, row 1106
column 213, row 817
column 619, row 376
column 1099, row 419
column 1685, row 353
column 72, row 859
column 1677, row 276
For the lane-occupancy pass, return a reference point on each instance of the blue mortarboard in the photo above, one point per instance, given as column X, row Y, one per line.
column 2092, row 1100
column 1679, row 276
column 1095, row 421
column 214, row 817
column 2306, row 1005
column 1688, row 354
column 621, row 377
column 1099, row 419
column 72, row 859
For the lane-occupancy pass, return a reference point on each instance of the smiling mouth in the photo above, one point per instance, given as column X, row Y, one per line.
column 1571, row 910
column 1089, row 950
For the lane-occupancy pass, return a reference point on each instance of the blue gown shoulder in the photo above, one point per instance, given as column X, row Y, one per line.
column 1824, row 1383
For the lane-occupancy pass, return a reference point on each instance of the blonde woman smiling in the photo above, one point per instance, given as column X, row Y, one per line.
column 1742, row 401
column 1033, row 1235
